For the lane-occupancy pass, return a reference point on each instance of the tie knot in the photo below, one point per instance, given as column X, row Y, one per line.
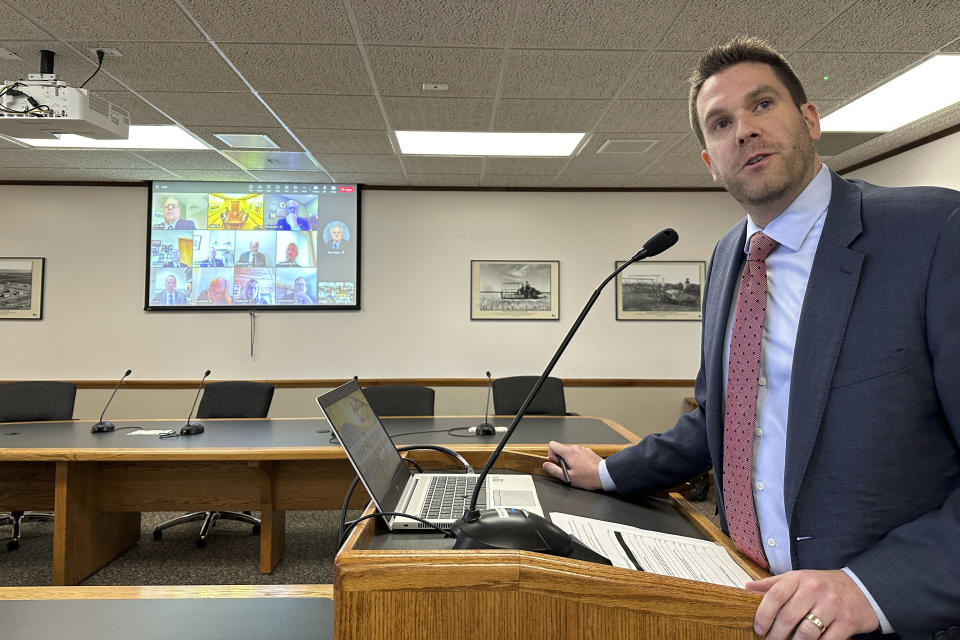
column 761, row 246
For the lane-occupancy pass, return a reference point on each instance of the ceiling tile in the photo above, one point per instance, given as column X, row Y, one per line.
column 336, row 112
column 605, row 163
column 438, row 114
column 148, row 20
column 163, row 66
column 850, row 74
column 295, row 21
column 9, row 174
column 80, row 159
column 363, row 141
column 271, row 160
column 574, row 24
column 663, row 141
column 68, row 65
column 432, row 180
column 440, row 165
column 785, row 24
column 360, row 163
column 226, row 109
column 301, row 68
column 682, row 181
column 401, row 71
column 646, row 115
column 474, row 23
column 566, row 74
column 218, row 175
column 140, row 111
column 548, row 115
column 519, row 181
column 64, row 174
column 525, row 166
column 664, row 75
column 174, row 160
column 832, row 143
column 13, row 26
column 385, row 179
column 890, row 25
column 279, row 136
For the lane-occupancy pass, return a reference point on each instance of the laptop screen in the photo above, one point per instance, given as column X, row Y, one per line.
column 367, row 444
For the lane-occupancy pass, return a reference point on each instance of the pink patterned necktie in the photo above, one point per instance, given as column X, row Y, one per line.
column 740, row 416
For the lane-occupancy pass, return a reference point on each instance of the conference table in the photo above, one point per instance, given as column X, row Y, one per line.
column 98, row 484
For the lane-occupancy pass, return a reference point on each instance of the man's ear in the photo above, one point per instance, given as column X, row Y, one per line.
column 706, row 159
column 811, row 116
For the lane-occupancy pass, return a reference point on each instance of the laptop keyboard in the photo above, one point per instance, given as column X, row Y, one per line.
column 448, row 496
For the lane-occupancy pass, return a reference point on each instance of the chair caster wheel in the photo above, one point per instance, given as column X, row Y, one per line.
column 201, row 543
column 13, row 545
column 256, row 529
column 157, row 534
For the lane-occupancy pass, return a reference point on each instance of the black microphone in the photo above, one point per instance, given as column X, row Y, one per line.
column 485, row 428
column 107, row 427
column 516, row 528
column 193, row 428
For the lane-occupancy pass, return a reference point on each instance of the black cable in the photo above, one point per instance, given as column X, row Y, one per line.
column 99, row 64
column 414, row 433
column 12, row 90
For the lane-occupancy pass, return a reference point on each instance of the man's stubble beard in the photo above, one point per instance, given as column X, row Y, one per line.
column 797, row 161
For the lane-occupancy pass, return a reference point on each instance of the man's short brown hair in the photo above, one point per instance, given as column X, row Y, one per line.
column 740, row 49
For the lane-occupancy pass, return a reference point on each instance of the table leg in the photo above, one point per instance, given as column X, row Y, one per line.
column 85, row 538
column 273, row 522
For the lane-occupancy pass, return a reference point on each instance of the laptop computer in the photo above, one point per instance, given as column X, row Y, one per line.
column 437, row 497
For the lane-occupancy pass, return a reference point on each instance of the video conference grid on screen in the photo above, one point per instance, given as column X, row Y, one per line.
column 268, row 245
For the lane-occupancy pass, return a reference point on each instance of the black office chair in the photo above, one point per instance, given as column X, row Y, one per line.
column 225, row 400
column 401, row 400
column 509, row 393
column 31, row 402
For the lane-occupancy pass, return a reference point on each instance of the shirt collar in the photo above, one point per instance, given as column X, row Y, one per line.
column 791, row 227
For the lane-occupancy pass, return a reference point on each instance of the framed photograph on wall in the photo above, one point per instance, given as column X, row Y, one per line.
column 661, row 291
column 514, row 289
column 21, row 288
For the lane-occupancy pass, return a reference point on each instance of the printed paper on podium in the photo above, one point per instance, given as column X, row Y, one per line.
column 654, row 552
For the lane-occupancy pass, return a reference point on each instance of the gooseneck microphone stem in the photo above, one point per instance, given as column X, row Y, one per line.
column 486, row 413
column 192, row 428
column 106, row 427
column 655, row 245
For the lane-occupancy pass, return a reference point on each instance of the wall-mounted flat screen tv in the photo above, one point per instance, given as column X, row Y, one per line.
column 252, row 245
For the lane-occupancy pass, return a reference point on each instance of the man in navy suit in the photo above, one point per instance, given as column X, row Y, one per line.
column 855, row 472
column 171, row 216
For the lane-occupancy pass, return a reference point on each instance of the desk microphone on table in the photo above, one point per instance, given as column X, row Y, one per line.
column 107, row 427
column 485, row 428
column 517, row 528
column 193, row 428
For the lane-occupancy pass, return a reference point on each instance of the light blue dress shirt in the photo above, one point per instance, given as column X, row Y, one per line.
column 797, row 230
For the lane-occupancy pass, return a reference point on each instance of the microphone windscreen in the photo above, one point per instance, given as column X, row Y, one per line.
column 207, row 373
column 129, row 371
column 660, row 242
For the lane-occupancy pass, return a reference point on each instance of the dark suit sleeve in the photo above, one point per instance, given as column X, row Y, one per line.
column 914, row 571
column 665, row 460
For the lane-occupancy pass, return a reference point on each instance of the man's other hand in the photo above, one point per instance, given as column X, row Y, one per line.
column 582, row 465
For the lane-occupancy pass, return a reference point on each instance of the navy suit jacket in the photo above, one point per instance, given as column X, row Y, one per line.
column 872, row 469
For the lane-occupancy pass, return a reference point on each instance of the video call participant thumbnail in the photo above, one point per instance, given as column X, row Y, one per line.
column 296, row 286
column 253, row 286
column 336, row 235
column 252, row 257
column 172, row 294
column 292, row 220
column 217, row 290
column 172, row 210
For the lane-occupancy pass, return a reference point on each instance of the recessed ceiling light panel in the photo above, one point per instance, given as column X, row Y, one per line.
column 168, row 136
column 247, row 140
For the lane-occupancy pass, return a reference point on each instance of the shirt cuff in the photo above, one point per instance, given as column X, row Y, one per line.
column 885, row 626
column 605, row 480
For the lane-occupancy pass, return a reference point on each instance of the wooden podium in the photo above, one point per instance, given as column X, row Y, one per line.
column 520, row 595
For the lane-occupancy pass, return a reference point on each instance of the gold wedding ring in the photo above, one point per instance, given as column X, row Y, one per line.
column 817, row 621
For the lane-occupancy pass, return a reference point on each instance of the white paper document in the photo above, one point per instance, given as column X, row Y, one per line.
column 654, row 552
column 150, row 432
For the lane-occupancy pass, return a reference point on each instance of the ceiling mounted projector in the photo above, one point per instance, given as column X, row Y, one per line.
column 43, row 107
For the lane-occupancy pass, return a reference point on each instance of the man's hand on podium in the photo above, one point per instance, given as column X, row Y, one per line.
column 829, row 596
column 582, row 465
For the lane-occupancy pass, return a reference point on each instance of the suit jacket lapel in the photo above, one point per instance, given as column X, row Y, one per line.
column 826, row 307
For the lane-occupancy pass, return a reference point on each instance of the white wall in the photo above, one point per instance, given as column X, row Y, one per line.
column 415, row 320
column 936, row 163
